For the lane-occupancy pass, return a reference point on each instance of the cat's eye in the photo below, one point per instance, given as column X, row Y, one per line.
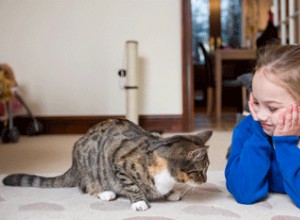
column 190, row 172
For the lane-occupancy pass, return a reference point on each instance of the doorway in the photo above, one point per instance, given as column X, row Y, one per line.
column 188, row 77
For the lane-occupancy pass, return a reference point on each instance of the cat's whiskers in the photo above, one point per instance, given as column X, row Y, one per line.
column 187, row 192
column 191, row 191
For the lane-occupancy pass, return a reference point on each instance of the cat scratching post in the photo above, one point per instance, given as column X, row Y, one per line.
column 132, row 81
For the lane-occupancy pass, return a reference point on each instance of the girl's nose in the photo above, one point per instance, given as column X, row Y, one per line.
column 262, row 115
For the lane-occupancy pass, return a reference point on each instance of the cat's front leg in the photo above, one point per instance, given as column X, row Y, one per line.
column 132, row 190
column 107, row 195
column 137, row 199
column 140, row 206
column 173, row 195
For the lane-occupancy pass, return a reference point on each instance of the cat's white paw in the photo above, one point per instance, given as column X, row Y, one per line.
column 139, row 206
column 107, row 195
column 174, row 196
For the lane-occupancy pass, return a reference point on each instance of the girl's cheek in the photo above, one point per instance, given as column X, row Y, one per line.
column 255, row 108
column 275, row 117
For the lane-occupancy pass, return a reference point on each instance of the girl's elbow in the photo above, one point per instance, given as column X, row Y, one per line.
column 297, row 203
column 248, row 197
column 246, row 200
column 247, row 193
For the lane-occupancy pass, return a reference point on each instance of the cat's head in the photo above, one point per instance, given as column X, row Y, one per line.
column 187, row 157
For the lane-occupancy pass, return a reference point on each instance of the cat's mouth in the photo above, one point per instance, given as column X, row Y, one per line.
column 204, row 177
column 198, row 179
column 195, row 184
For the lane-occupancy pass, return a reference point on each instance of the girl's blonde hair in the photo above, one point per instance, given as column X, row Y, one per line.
column 282, row 65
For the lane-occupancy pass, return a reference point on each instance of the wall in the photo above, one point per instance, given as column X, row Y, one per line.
column 66, row 54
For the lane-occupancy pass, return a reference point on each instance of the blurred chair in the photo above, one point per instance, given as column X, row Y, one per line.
column 209, row 81
column 244, row 81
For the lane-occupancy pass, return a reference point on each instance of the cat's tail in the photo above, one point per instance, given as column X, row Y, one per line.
column 68, row 179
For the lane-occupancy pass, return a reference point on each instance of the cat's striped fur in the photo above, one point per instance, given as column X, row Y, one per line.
column 117, row 157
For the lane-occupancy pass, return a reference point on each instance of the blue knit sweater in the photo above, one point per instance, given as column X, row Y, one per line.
column 259, row 164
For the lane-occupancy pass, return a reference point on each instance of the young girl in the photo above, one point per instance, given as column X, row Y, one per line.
column 265, row 154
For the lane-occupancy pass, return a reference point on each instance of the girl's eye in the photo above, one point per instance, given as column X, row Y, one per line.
column 272, row 109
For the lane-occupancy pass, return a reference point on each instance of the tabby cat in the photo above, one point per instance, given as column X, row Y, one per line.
column 117, row 157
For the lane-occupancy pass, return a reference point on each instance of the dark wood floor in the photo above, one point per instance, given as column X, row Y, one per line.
column 202, row 121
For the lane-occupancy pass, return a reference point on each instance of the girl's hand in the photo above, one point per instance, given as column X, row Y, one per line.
column 250, row 104
column 289, row 122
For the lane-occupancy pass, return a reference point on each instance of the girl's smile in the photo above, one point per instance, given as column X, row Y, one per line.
column 265, row 125
column 268, row 129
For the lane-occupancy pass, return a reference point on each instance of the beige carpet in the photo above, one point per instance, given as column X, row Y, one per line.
column 52, row 154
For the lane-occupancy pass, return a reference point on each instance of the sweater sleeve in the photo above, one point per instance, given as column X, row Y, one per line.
column 288, row 156
column 249, row 162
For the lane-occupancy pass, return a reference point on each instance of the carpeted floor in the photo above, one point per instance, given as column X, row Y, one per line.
column 51, row 155
column 209, row 201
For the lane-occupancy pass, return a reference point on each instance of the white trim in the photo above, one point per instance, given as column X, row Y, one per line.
column 275, row 12
column 291, row 22
column 283, row 26
column 287, row 23
column 298, row 14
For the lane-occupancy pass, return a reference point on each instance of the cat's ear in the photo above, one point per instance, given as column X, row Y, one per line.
column 198, row 153
column 201, row 138
column 205, row 135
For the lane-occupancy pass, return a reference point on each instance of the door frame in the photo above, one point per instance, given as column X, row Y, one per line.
column 188, row 106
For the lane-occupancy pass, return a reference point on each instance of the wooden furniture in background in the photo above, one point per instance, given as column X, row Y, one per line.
column 219, row 56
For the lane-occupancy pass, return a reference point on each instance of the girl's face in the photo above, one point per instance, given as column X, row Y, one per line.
column 270, row 100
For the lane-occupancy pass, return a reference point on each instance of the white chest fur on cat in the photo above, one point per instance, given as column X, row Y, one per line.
column 164, row 182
